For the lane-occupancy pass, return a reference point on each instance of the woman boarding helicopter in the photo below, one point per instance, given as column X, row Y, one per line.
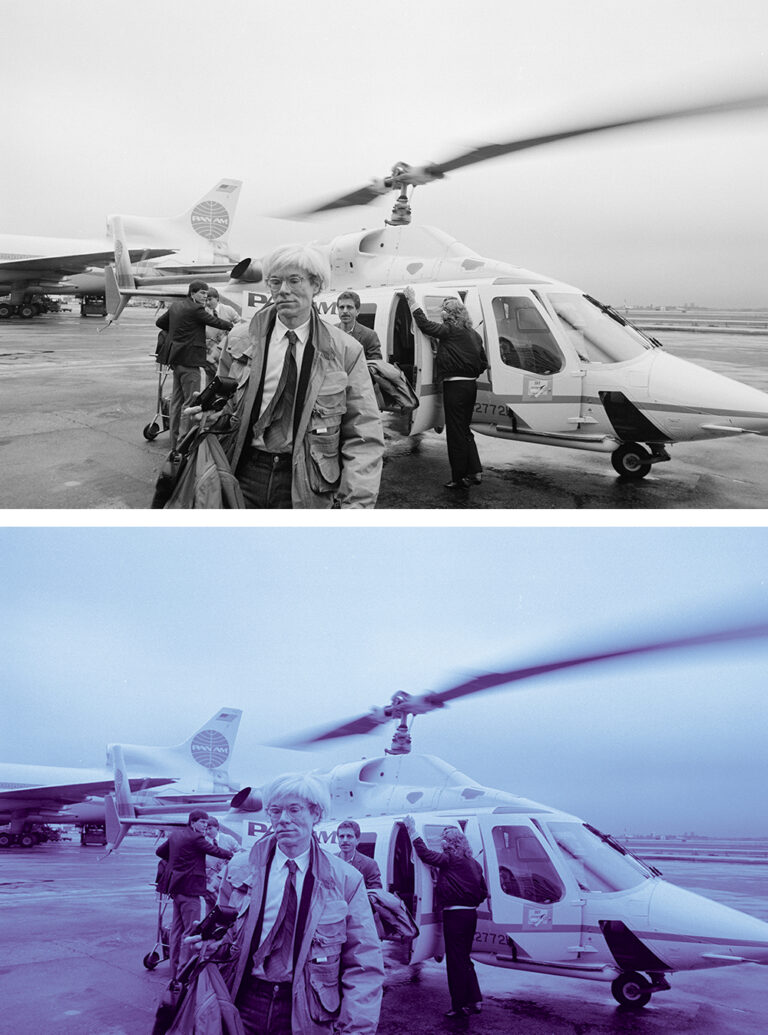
column 460, row 360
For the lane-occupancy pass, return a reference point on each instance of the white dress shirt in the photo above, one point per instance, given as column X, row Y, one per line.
column 278, row 346
column 278, row 875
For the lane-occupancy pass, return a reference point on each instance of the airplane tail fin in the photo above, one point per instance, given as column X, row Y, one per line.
column 119, row 279
column 202, row 759
column 202, row 232
column 119, row 809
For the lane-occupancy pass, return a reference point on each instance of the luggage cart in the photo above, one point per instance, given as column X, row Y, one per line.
column 162, row 419
column 162, row 947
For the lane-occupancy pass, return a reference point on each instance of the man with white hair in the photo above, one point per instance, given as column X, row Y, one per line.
column 308, row 431
column 309, row 959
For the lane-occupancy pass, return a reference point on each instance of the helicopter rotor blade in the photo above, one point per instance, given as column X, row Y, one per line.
column 404, row 175
column 427, row 702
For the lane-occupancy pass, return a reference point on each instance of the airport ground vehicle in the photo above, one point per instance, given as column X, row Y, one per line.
column 93, row 834
column 92, row 305
column 31, row 834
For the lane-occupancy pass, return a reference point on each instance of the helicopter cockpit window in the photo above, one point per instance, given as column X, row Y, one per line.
column 596, row 336
column 525, row 341
column 593, row 860
column 525, row 869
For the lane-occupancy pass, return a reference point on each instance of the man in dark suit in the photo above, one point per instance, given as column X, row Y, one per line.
column 185, row 324
column 348, row 838
column 184, row 853
column 348, row 308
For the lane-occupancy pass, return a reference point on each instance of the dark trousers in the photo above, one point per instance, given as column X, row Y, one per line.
column 264, row 1008
column 186, row 381
column 265, row 480
column 186, row 913
column 459, row 931
column 459, row 405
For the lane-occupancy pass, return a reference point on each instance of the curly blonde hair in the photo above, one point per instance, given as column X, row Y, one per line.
column 456, row 843
column 456, row 313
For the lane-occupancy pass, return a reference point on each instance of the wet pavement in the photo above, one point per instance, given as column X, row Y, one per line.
column 75, row 401
column 75, row 929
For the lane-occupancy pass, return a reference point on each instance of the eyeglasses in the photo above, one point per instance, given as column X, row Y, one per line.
column 275, row 283
column 275, row 812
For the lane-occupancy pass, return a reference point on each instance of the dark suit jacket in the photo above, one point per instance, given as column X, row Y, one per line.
column 368, row 339
column 369, row 869
column 185, row 852
column 185, row 323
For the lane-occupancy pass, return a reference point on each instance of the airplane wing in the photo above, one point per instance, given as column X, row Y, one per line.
column 77, row 262
column 58, row 794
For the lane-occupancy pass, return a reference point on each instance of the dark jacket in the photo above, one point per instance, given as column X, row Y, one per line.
column 185, row 323
column 460, row 351
column 185, row 851
column 369, row 869
column 368, row 339
column 460, row 881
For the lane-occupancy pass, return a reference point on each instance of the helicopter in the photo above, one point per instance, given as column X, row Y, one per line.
column 564, row 368
column 564, row 898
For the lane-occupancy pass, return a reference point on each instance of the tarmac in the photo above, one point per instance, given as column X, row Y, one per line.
column 77, row 396
column 76, row 927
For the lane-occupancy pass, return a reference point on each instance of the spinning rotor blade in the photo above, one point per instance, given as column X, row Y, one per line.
column 404, row 175
column 403, row 705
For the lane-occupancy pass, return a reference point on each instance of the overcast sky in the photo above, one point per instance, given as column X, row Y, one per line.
column 139, row 635
column 139, row 108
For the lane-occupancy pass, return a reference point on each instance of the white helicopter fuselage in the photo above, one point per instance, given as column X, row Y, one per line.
column 564, row 370
column 563, row 899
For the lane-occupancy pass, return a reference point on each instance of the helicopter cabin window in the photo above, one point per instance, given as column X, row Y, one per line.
column 433, row 836
column 525, row 341
column 597, row 862
column 433, row 307
column 597, row 335
column 525, row 869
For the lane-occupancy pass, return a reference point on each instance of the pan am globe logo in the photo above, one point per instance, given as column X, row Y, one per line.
column 210, row 749
column 210, row 220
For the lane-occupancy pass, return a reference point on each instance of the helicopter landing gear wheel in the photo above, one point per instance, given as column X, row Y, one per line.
column 151, row 431
column 631, row 990
column 631, row 461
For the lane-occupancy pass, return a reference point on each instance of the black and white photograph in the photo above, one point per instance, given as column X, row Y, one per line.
column 521, row 252
column 486, row 753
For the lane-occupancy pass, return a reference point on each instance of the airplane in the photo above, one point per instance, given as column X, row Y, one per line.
column 33, row 266
column 566, row 370
column 565, row 899
column 197, row 769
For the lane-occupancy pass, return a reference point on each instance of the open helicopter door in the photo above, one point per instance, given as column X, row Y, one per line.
column 412, row 880
column 534, row 899
column 430, row 410
column 538, row 376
